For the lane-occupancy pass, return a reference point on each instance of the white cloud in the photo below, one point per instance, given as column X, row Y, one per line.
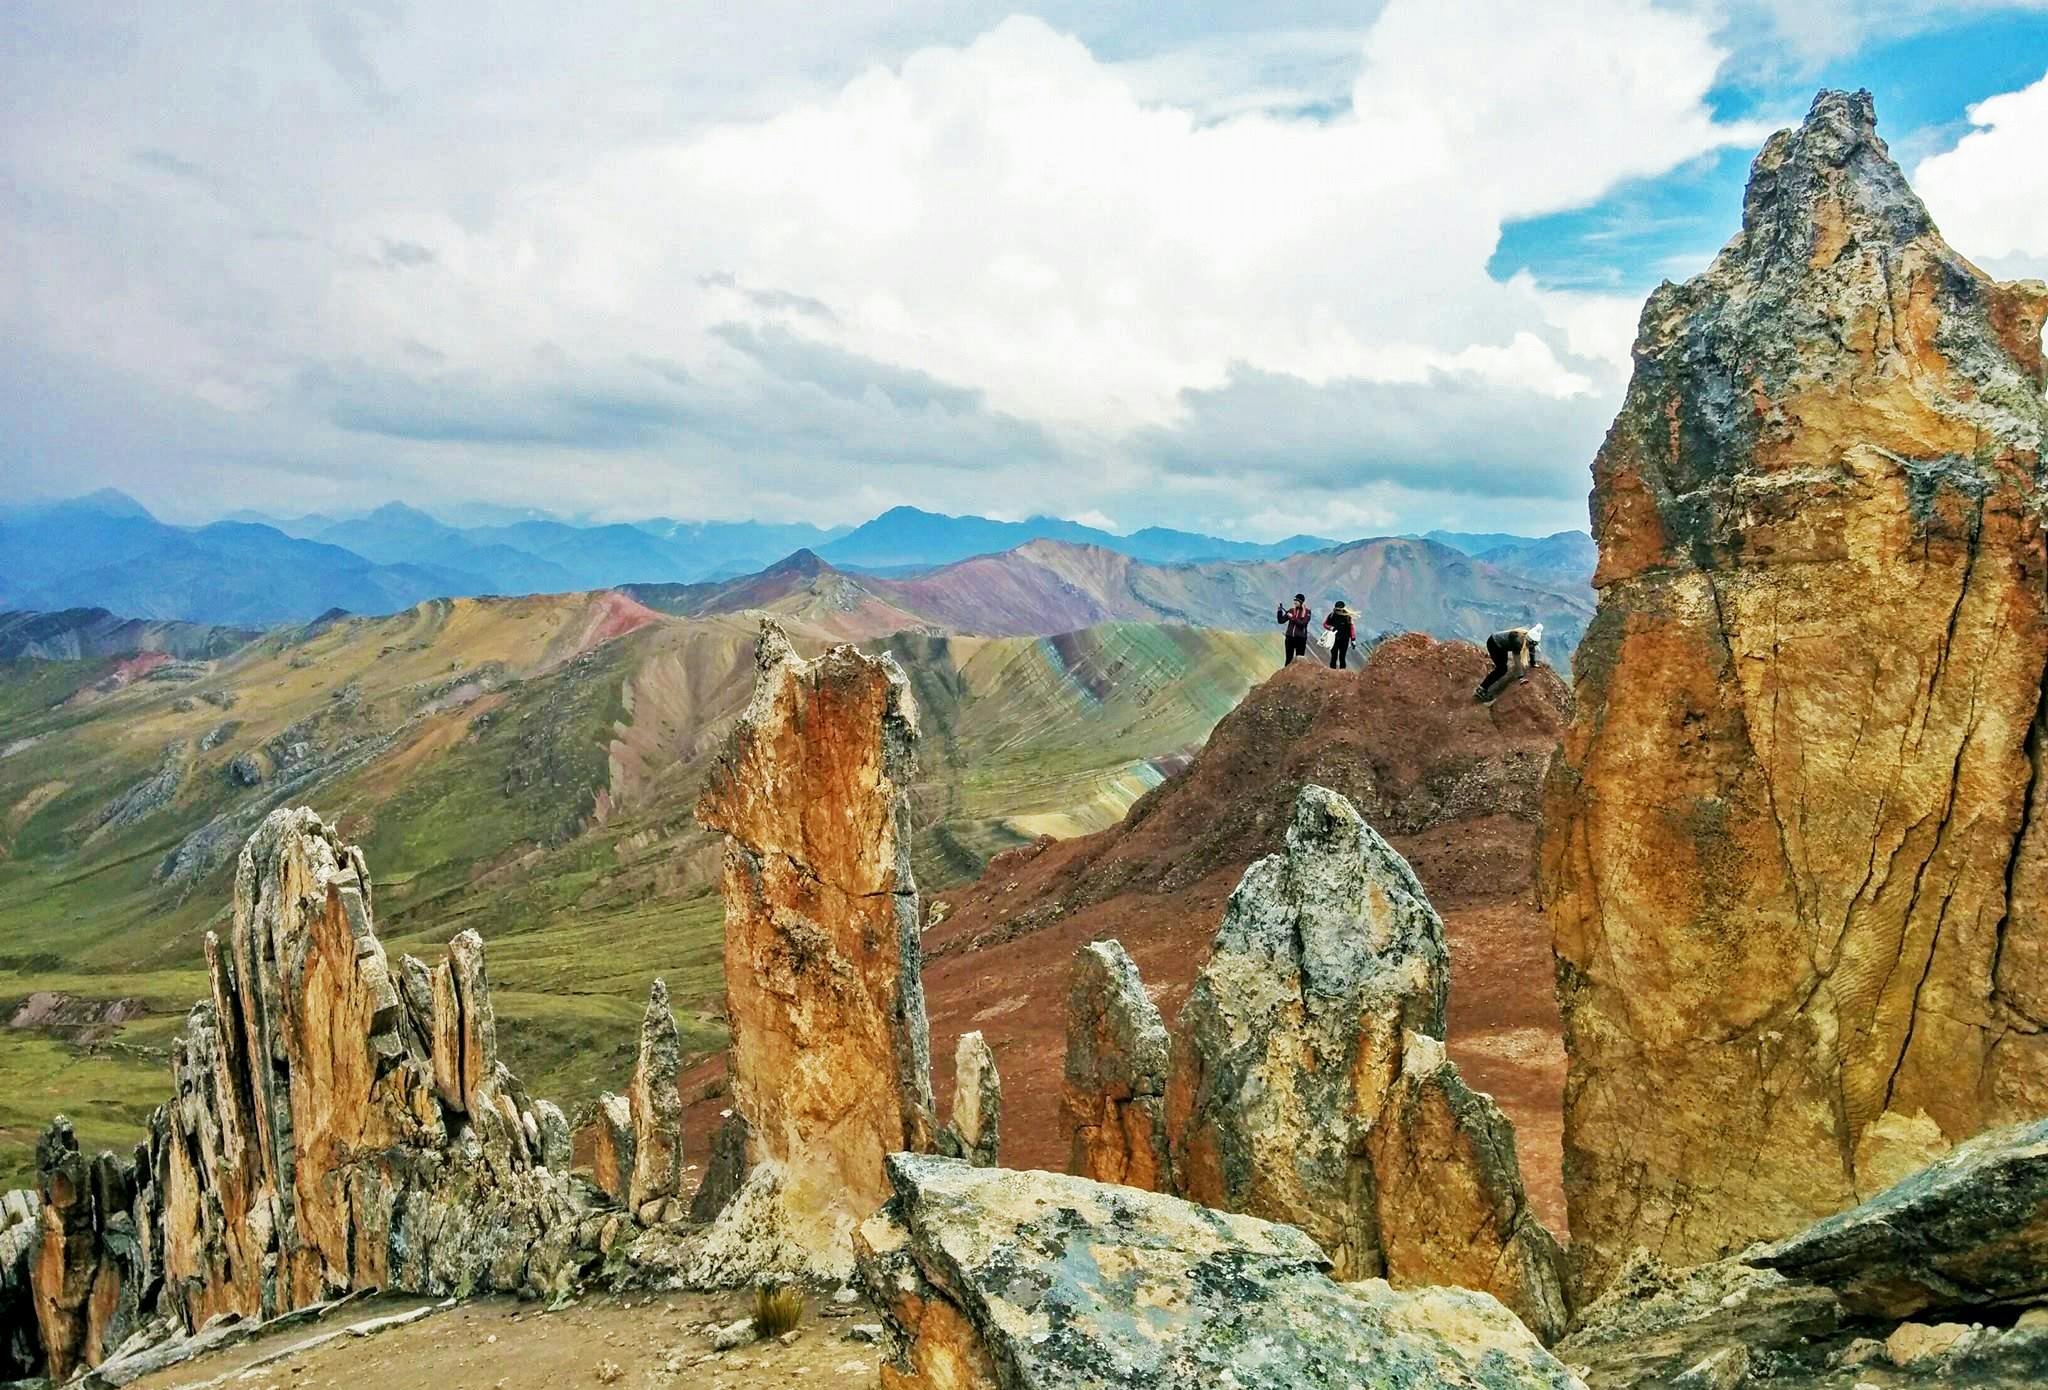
column 921, row 280
column 1989, row 194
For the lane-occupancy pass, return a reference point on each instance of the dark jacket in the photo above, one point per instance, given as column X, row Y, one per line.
column 1339, row 622
column 1297, row 620
column 1514, row 641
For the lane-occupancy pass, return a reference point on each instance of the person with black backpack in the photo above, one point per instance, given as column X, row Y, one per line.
column 1297, row 620
column 1339, row 625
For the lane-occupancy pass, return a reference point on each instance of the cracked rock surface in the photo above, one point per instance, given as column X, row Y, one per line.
column 989, row 1279
column 1794, row 856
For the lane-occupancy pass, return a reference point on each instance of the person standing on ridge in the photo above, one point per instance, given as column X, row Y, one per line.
column 1297, row 620
column 1339, row 624
column 1518, row 642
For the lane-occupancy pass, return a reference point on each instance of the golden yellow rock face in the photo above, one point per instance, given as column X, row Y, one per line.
column 1451, row 1211
column 330, row 1133
column 1792, row 857
column 830, row 1063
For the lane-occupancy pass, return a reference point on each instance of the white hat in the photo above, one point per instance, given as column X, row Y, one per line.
column 1536, row 633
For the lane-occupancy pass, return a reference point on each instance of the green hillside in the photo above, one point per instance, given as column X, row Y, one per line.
column 525, row 767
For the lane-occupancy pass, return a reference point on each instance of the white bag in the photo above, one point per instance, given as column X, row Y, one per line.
column 1326, row 639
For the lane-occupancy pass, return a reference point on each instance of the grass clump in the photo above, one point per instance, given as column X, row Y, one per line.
column 778, row 1308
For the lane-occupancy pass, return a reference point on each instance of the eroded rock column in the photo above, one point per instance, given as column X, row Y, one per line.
column 1449, row 1195
column 1114, row 1094
column 1793, row 851
column 657, row 1105
column 974, row 1130
column 830, row 1064
column 1289, row 1042
column 336, row 1129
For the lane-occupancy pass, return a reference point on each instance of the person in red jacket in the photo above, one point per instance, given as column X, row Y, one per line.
column 1297, row 620
column 1339, row 624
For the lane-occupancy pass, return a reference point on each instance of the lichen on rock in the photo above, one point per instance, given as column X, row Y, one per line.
column 990, row 1278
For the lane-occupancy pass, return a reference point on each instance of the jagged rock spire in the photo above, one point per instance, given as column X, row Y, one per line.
column 1792, row 855
column 830, row 1058
column 1114, row 1089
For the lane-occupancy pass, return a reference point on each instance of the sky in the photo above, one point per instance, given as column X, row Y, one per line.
column 1247, row 268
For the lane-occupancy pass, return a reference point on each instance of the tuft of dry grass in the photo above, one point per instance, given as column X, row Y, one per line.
column 777, row 1309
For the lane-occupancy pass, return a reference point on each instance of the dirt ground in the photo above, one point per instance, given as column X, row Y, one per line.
column 628, row 1342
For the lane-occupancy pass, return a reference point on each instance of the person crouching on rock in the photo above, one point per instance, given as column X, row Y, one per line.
column 1518, row 642
column 1339, row 624
column 1297, row 620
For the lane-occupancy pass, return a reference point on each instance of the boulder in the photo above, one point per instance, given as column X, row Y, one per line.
column 1287, row 1048
column 1114, row 1094
column 1795, row 850
column 990, row 1278
column 1449, row 1193
column 657, row 1104
column 1654, row 1325
column 830, row 1052
column 21, row 1343
column 974, row 1132
column 1925, row 1275
column 1970, row 1231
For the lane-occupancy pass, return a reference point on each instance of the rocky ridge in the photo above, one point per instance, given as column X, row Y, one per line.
column 335, row 1126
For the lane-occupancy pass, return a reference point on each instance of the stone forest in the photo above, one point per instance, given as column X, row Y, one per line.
column 1792, row 858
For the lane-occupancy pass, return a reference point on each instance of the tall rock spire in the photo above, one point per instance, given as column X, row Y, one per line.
column 1792, row 854
column 831, row 1066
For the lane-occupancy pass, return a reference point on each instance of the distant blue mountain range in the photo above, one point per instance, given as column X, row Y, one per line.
column 106, row 550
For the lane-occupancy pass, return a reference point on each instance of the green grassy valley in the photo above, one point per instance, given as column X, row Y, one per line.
column 524, row 767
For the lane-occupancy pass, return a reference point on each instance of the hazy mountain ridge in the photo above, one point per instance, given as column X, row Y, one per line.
column 80, row 634
column 106, row 550
column 904, row 536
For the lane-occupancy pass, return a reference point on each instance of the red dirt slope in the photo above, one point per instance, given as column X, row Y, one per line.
column 1453, row 784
